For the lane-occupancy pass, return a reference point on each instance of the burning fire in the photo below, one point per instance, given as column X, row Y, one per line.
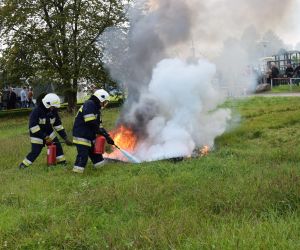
column 204, row 151
column 125, row 139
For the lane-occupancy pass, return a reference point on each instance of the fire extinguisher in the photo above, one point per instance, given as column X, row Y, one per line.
column 51, row 154
column 99, row 145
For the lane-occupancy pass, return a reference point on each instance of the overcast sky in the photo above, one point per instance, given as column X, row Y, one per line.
column 217, row 20
column 282, row 16
column 290, row 28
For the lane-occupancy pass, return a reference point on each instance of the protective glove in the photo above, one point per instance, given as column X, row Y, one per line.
column 109, row 140
column 68, row 142
column 48, row 140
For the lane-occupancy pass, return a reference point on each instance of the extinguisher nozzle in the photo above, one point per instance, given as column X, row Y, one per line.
column 130, row 157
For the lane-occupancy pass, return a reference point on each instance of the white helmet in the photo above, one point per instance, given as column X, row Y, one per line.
column 102, row 95
column 51, row 100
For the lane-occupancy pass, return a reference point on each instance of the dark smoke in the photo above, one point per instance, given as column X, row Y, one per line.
column 150, row 35
column 160, row 27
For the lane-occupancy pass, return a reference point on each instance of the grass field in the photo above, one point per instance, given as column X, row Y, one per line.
column 285, row 89
column 243, row 195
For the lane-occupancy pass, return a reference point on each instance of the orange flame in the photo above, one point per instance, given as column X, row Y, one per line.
column 204, row 151
column 125, row 139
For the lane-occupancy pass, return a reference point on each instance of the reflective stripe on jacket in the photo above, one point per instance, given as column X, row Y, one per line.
column 87, row 123
column 42, row 123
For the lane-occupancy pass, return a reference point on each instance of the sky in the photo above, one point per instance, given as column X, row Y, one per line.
column 289, row 30
column 217, row 20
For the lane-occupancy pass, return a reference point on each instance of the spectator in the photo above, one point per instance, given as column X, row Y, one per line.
column 30, row 97
column 12, row 99
column 274, row 73
column 297, row 74
column 24, row 99
column 268, row 74
column 1, row 101
column 289, row 71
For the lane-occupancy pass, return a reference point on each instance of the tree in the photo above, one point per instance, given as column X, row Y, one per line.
column 58, row 38
column 17, row 62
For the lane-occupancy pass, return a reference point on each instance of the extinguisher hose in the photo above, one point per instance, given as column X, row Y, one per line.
column 129, row 156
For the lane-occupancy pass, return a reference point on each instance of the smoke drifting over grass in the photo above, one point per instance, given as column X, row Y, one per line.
column 186, row 114
column 172, row 103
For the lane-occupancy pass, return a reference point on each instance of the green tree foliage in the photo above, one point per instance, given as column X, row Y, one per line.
column 57, row 39
column 16, row 63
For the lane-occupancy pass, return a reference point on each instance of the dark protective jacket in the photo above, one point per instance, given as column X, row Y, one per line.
column 43, row 122
column 297, row 71
column 87, row 122
column 289, row 71
column 12, row 100
column 274, row 72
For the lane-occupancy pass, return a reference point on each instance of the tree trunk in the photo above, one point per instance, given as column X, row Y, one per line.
column 71, row 96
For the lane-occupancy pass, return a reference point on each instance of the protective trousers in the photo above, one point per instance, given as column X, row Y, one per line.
column 83, row 153
column 36, row 150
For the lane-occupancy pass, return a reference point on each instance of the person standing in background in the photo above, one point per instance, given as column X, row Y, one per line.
column 289, row 71
column 1, row 101
column 30, row 97
column 24, row 100
column 274, row 74
column 12, row 99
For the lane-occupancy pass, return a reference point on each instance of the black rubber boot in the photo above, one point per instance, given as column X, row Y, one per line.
column 22, row 166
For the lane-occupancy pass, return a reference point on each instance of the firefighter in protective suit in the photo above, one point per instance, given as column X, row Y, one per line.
column 43, row 120
column 87, row 125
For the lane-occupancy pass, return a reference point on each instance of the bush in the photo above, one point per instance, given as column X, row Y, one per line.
column 12, row 113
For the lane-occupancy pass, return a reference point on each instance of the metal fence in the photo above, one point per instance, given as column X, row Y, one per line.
column 285, row 81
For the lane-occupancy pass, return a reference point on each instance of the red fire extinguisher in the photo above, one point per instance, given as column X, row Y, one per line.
column 51, row 154
column 99, row 145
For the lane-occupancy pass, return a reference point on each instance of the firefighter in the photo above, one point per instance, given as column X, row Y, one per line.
column 43, row 120
column 87, row 125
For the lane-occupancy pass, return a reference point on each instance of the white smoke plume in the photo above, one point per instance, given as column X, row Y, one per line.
column 172, row 104
column 185, row 115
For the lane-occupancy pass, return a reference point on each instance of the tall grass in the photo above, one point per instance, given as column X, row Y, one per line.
column 243, row 195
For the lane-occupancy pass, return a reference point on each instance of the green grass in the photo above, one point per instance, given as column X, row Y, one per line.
column 285, row 89
column 244, row 195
